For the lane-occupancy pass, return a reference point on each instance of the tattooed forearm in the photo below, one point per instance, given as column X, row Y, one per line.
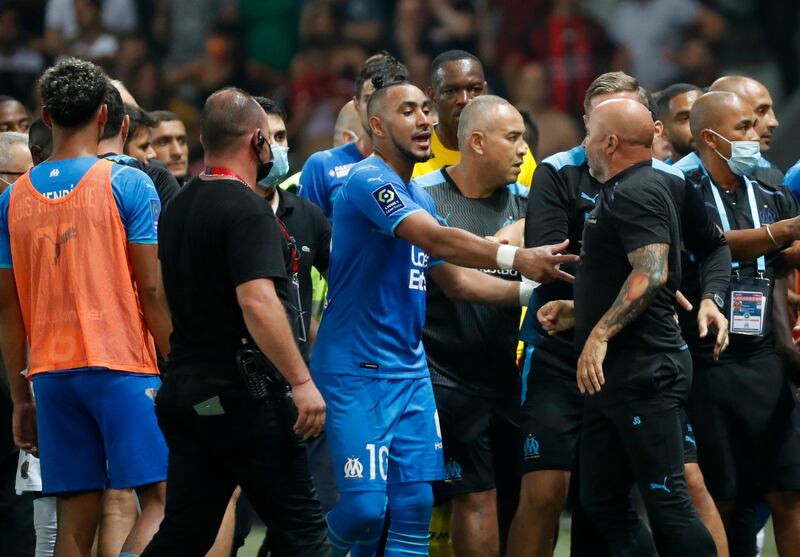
column 649, row 274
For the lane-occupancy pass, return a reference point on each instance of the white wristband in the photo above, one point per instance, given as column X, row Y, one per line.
column 525, row 293
column 505, row 257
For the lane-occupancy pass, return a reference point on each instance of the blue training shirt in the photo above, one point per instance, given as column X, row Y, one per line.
column 372, row 325
column 792, row 180
column 134, row 193
column 325, row 172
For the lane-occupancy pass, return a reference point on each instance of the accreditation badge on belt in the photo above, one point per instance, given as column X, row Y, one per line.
column 749, row 298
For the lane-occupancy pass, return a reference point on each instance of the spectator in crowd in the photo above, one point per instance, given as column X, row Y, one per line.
column 62, row 26
column 652, row 31
column 572, row 47
column 14, row 117
column 146, row 81
column 93, row 42
column 674, row 104
column 531, row 92
column 15, row 157
column 19, row 64
column 168, row 139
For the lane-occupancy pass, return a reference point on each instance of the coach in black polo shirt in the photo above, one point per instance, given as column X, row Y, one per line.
column 634, row 363
column 224, row 269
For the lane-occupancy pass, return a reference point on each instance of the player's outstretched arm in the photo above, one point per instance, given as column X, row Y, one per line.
column 470, row 285
column 468, row 250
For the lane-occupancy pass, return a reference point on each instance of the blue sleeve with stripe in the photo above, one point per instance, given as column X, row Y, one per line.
column 138, row 204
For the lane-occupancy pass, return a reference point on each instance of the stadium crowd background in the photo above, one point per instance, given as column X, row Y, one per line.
column 541, row 54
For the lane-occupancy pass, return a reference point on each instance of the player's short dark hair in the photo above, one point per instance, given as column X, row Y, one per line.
column 139, row 119
column 163, row 116
column 381, row 64
column 271, row 107
column 116, row 112
column 228, row 114
column 72, row 91
column 450, row 56
column 670, row 92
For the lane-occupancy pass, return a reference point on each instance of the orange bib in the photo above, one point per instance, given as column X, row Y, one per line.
column 74, row 280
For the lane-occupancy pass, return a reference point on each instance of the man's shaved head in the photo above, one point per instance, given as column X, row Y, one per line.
column 347, row 121
column 709, row 110
column 755, row 94
column 629, row 120
column 618, row 135
column 228, row 115
column 481, row 114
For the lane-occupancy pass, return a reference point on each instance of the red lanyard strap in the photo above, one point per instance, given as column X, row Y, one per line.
column 292, row 248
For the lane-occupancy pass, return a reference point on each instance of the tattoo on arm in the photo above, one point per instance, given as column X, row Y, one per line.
column 649, row 274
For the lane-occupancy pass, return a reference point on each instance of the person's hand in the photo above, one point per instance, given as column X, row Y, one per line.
column 682, row 301
column 24, row 427
column 556, row 316
column 709, row 317
column 310, row 409
column 590, row 365
column 541, row 264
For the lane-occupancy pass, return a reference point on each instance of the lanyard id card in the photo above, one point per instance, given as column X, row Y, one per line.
column 748, row 305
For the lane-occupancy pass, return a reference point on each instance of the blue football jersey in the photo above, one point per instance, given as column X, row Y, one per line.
column 325, row 172
column 372, row 325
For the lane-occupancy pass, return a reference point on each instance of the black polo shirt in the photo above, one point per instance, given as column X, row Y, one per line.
column 774, row 203
column 311, row 234
column 213, row 236
column 635, row 208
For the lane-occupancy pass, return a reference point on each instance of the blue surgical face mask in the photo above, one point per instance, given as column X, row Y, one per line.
column 745, row 155
column 280, row 166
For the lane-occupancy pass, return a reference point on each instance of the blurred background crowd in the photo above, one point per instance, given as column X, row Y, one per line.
column 541, row 54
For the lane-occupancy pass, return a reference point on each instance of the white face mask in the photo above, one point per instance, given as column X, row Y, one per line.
column 745, row 155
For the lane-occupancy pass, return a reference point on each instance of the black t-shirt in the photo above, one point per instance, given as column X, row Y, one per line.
column 774, row 203
column 166, row 185
column 310, row 232
column 472, row 345
column 213, row 236
column 637, row 207
column 563, row 194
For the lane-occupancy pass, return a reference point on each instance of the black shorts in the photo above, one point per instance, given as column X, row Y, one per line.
column 552, row 412
column 479, row 434
column 747, row 427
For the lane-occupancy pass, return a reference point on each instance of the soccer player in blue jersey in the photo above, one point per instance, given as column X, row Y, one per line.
column 368, row 361
column 325, row 172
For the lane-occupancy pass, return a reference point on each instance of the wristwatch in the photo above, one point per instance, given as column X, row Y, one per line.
column 716, row 298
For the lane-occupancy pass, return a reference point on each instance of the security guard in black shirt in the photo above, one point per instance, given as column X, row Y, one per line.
column 223, row 406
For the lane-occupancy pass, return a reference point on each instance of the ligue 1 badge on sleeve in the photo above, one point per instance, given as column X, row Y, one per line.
column 388, row 200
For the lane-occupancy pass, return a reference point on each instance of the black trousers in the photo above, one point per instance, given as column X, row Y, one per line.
column 219, row 438
column 641, row 442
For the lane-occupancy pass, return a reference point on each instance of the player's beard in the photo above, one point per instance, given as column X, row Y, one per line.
column 406, row 153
